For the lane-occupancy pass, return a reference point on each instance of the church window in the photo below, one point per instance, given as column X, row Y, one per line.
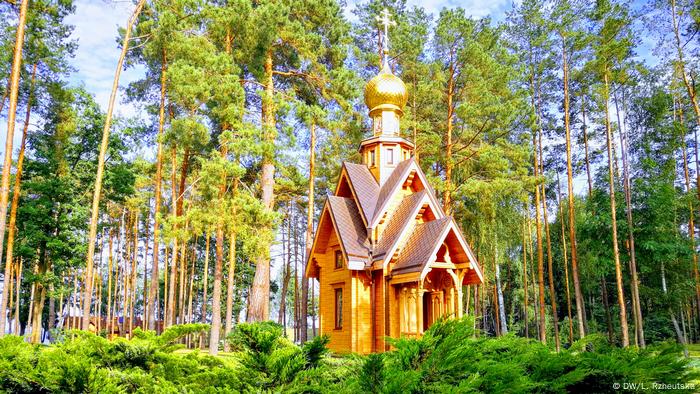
column 372, row 161
column 389, row 156
column 338, row 308
column 338, row 259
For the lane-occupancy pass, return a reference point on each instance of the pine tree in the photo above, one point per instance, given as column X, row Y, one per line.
column 87, row 294
column 7, row 163
column 611, row 48
column 566, row 21
column 281, row 62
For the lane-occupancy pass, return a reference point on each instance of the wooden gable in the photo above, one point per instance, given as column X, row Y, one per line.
column 407, row 176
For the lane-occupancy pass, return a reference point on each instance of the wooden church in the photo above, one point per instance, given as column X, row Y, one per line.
column 388, row 260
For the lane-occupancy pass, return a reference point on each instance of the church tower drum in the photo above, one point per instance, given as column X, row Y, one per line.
column 385, row 97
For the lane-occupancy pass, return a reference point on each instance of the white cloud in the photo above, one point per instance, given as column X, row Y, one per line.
column 96, row 23
column 96, row 26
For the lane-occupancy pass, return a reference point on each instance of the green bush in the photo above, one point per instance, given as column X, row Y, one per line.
column 448, row 358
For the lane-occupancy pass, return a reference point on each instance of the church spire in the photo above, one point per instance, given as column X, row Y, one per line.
column 385, row 94
column 385, row 97
column 384, row 19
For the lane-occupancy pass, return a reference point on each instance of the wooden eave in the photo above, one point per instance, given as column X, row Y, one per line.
column 310, row 271
column 380, row 211
column 389, row 255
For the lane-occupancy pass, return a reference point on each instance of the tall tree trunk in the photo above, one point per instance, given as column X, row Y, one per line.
column 205, row 286
column 550, row 270
column 157, row 196
column 260, row 293
column 15, row 203
column 134, row 266
column 580, row 307
column 165, row 284
column 9, row 139
column 38, row 306
column 182, row 283
column 679, row 334
column 110, row 270
column 636, row 308
column 205, row 279
column 144, row 292
column 447, row 193
column 309, row 234
column 540, row 254
column 29, row 325
column 218, row 271
column 229, row 286
column 17, row 290
column 566, row 262
column 286, row 269
column 170, row 311
column 525, row 286
column 191, row 280
column 613, row 214
column 292, row 238
column 499, row 294
column 87, row 295
column 9, row 282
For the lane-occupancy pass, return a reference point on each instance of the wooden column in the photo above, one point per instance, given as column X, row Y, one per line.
column 450, row 303
column 459, row 306
column 419, row 309
column 457, row 280
column 403, row 311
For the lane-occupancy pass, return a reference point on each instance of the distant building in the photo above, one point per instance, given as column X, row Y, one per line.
column 388, row 260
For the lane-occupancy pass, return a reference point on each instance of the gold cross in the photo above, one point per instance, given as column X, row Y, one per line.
column 384, row 19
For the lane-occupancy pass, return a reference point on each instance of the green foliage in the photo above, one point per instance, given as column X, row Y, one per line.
column 372, row 374
column 448, row 358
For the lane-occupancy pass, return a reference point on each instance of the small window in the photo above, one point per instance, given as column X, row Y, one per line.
column 389, row 156
column 372, row 161
column 338, row 259
column 338, row 308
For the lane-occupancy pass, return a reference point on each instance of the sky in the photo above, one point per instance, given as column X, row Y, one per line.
column 96, row 23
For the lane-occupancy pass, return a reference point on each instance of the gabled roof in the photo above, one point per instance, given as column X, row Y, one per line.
column 389, row 187
column 393, row 185
column 398, row 221
column 421, row 245
column 365, row 188
column 348, row 224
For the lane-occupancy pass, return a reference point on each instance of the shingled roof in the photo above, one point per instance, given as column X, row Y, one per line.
column 365, row 186
column 420, row 245
column 391, row 183
column 351, row 229
column 397, row 222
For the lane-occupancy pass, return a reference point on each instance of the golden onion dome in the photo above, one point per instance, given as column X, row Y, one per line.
column 386, row 90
